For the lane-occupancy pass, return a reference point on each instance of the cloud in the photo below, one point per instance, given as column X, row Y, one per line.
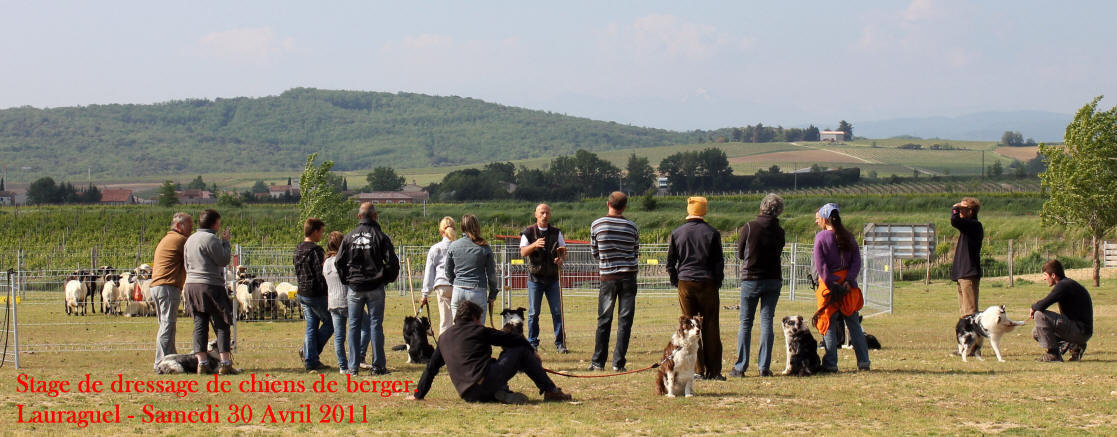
column 662, row 36
column 247, row 43
column 924, row 28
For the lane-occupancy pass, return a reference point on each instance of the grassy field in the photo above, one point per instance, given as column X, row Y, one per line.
column 915, row 387
column 745, row 158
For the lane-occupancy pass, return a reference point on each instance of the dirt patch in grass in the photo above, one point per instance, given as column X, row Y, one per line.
column 804, row 156
column 1018, row 153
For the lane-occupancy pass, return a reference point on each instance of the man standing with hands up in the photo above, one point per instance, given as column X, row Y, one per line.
column 545, row 250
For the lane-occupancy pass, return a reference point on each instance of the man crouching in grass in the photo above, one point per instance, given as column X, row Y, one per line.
column 466, row 350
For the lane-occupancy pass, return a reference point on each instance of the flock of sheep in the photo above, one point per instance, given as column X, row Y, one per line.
column 129, row 294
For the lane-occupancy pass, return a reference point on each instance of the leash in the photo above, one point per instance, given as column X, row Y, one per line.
column 569, row 375
column 430, row 329
column 491, row 325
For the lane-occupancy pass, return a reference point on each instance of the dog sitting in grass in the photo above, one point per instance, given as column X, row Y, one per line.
column 680, row 358
column 419, row 350
column 802, row 349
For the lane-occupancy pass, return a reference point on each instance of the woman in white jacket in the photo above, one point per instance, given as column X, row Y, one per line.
column 434, row 275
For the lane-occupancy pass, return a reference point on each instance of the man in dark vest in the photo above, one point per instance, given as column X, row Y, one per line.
column 545, row 250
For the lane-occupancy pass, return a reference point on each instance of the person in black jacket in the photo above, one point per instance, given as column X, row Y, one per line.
column 696, row 266
column 309, row 257
column 466, row 350
column 759, row 246
column 366, row 263
column 1072, row 326
column 544, row 247
column 967, row 254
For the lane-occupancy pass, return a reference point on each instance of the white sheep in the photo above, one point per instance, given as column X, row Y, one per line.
column 288, row 296
column 248, row 297
column 108, row 294
column 75, row 296
column 269, row 302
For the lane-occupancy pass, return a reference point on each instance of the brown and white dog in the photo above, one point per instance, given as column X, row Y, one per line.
column 680, row 358
column 972, row 330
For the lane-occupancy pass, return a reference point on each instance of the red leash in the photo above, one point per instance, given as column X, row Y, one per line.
column 568, row 375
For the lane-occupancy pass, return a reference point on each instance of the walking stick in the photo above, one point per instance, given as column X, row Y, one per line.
column 410, row 285
column 562, row 306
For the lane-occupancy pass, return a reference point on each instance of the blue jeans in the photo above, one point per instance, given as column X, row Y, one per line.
column 475, row 295
column 366, row 326
column 620, row 293
column 856, row 339
column 767, row 293
column 535, row 293
column 340, row 318
column 318, row 328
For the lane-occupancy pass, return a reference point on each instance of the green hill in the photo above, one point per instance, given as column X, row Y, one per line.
column 358, row 130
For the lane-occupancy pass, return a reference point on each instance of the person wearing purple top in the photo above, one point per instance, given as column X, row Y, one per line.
column 838, row 260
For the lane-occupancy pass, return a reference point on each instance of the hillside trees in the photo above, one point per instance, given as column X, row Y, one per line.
column 385, row 179
column 639, row 175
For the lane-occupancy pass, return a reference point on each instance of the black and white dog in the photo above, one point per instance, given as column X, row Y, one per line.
column 419, row 350
column 802, row 349
column 513, row 320
column 972, row 330
column 188, row 363
column 843, row 336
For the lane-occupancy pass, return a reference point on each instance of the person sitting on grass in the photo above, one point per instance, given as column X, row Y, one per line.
column 1070, row 328
column 466, row 351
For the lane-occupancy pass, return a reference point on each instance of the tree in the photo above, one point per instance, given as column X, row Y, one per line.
column 639, row 174
column 196, row 184
column 260, row 187
column 385, row 179
column 996, row 170
column 226, row 200
column 1081, row 174
column 167, row 196
column 90, row 195
column 844, row 126
column 320, row 198
column 43, row 190
column 1012, row 139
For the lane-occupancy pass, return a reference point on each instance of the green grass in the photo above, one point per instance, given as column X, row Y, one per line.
column 915, row 387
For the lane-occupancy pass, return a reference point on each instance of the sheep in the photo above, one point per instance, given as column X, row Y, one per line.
column 78, row 287
column 287, row 297
column 270, row 297
column 108, row 294
column 102, row 274
column 124, row 290
column 248, row 297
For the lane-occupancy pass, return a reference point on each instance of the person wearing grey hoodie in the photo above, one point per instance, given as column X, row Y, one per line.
column 207, row 300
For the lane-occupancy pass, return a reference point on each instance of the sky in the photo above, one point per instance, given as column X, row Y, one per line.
column 667, row 64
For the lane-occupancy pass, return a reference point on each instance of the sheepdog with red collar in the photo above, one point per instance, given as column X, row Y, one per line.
column 680, row 357
column 972, row 330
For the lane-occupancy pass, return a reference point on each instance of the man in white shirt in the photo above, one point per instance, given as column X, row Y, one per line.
column 544, row 248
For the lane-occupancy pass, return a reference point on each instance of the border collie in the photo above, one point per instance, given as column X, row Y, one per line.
column 188, row 363
column 513, row 320
column 419, row 350
column 802, row 349
column 680, row 357
column 972, row 330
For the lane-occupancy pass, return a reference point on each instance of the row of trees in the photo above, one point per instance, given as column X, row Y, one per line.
column 565, row 178
column 46, row 191
column 1015, row 139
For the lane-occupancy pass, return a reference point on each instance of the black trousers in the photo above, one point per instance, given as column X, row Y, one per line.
column 619, row 293
column 511, row 361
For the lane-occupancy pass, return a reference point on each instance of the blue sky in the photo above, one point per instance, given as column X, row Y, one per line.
column 670, row 64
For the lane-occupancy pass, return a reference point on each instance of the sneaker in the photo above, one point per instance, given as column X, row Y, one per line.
column 380, row 371
column 204, row 369
column 365, row 366
column 718, row 377
column 562, row 349
column 699, row 376
column 227, row 369
column 765, row 373
column 317, row 368
column 1076, row 351
column 343, row 371
column 556, row 395
column 619, row 369
column 1050, row 358
column 595, row 367
column 735, row 374
column 510, row 397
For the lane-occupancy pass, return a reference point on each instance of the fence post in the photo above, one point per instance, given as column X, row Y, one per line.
column 891, row 289
column 1011, row 279
column 15, row 318
column 792, row 276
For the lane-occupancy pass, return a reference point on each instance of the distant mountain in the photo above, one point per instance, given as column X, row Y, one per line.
column 357, row 130
column 982, row 126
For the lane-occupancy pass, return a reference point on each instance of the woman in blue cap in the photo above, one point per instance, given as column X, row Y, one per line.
column 838, row 260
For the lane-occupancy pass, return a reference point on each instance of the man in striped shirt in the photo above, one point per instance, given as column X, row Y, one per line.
column 615, row 242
